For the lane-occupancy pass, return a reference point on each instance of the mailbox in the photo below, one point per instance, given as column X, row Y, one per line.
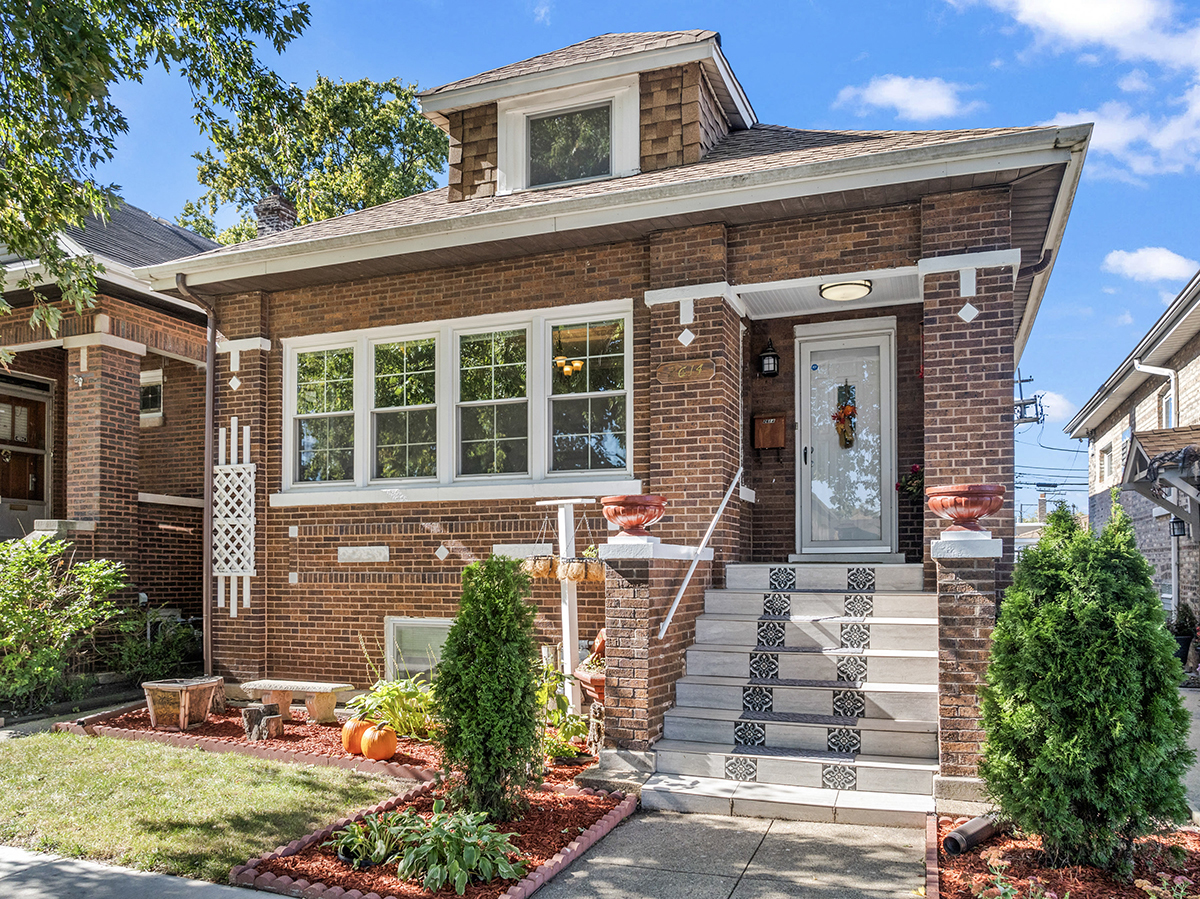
column 770, row 431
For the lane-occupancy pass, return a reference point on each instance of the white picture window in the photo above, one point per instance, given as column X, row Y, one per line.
column 569, row 134
column 511, row 398
column 325, row 415
column 404, row 419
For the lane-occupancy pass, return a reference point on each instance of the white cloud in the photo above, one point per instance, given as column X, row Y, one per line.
column 1135, row 82
column 1167, row 297
column 1057, row 407
column 919, row 99
column 1108, row 290
column 541, row 12
column 1124, row 318
column 1150, row 264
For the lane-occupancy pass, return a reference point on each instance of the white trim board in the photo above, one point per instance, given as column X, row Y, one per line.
column 463, row 492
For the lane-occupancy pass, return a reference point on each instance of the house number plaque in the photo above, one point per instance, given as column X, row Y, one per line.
column 689, row 370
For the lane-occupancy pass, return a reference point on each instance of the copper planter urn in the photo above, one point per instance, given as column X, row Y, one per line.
column 964, row 504
column 632, row 513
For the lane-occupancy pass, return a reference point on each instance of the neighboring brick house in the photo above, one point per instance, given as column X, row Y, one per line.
column 101, row 436
column 1149, row 406
column 583, row 311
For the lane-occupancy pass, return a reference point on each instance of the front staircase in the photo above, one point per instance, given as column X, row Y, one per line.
column 811, row 694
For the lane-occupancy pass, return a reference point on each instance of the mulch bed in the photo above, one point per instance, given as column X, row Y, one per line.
column 300, row 735
column 552, row 822
column 967, row 876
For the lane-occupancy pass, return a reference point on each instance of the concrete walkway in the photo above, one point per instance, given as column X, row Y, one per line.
column 667, row 855
column 36, row 875
column 1191, row 701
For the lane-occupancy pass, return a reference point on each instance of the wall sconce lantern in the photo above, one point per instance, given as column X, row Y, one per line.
column 1178, row 527
column 768, row 361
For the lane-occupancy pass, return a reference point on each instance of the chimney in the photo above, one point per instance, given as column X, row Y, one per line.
column 274, row 213
column 1041, row 507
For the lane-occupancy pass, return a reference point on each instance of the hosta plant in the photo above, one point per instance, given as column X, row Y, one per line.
column 404, row 704
column 455, row 848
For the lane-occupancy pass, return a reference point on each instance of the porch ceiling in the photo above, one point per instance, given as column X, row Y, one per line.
column 802, row 296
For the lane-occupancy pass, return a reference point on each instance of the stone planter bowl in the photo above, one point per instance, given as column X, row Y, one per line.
column 964, row 504
column 592, row 684
column 632, row 513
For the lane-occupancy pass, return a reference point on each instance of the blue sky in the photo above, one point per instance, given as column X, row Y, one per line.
column 1130, row 66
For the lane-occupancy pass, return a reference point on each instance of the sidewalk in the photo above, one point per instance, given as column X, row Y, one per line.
column 36, row 875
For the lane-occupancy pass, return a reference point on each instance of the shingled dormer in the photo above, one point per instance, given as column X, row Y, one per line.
column 607, row 107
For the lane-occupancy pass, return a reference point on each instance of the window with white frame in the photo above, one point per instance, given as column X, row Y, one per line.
column 523, row 396
column 1106, row 463
column 152, row 396
column 325, row 415
column 404, row 418
column 569, row 134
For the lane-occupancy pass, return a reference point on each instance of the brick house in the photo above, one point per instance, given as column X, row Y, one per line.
column 100, row 437
column 588, row 309
column 1150, row 406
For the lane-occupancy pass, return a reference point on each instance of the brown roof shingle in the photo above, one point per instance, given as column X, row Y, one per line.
column 604, row 46
column 757, row 149
column 1164, row 440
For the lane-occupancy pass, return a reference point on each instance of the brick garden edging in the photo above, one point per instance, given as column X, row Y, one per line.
column 93, row 726
column 933, row 886
column 247, row 875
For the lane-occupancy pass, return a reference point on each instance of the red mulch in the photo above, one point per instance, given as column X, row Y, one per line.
column 966, row 876
column 551, row 822
column 299, row 736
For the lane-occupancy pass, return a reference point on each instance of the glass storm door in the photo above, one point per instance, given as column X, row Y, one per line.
column 23, row 462
column 846, row 413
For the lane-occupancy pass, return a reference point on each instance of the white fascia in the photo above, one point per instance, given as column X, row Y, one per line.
column 1027, row 149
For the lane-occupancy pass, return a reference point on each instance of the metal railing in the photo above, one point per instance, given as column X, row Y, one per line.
column 737, row 480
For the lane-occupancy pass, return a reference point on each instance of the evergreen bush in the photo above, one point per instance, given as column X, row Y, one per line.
column 1086, row 732
column 486, row 689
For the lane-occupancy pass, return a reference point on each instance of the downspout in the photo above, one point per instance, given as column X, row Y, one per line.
column 210, row 384
column 1173, row 423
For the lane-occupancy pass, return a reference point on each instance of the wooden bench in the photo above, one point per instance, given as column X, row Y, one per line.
column 320, row 699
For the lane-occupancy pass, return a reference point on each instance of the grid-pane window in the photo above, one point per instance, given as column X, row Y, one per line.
column 493, row 407
column 588, row 396
column 405, row 414
column 570, row 146
column 325, row 415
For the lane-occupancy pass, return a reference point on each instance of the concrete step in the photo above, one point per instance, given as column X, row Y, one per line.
column 905, row 666
column 707, row 795
column 907, row 702
column 804, row 632
column 903, row 738
column 820, row 603
column 850, row 576
column 819, row 769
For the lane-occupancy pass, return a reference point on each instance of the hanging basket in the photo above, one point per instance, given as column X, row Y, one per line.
column 540, row 566
column 581, row 569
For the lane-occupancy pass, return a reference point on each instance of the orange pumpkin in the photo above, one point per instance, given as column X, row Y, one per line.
column 379, row 742
column 352, row 732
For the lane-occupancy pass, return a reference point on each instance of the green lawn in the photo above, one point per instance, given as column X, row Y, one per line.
column 148, row 806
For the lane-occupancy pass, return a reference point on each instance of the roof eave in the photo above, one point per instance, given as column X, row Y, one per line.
column 437, row 105
column 1184, row 310
column 1050, row 146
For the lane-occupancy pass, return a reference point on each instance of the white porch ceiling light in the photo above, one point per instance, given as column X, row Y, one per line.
column 844, row 291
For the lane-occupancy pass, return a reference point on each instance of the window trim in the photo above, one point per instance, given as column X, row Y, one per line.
column 539, row 481
column 513, row 116
column 371, row 344
column 150, row 378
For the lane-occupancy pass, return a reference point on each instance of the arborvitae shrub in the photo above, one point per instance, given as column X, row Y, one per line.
column 1086, row 733
column 486, row 689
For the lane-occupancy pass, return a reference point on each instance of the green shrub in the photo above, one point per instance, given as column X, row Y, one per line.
column 48, row 608
column 486, row 689
column 405, row 705
column 1086, row 733
column 169, row 650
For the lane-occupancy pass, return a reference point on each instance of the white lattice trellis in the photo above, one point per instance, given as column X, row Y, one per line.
column 233, row 519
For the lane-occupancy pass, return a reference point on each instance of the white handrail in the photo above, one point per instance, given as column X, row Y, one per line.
column 737, row 480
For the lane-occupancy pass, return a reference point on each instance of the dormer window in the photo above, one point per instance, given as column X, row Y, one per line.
column 570, row 146
column 568, row 134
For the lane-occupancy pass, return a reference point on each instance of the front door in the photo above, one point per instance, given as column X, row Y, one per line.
column 846, row 420
column 24, row 451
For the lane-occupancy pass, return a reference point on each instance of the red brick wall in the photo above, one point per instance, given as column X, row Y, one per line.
column 171, row 455
column 170, row 551
column 966, row 614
